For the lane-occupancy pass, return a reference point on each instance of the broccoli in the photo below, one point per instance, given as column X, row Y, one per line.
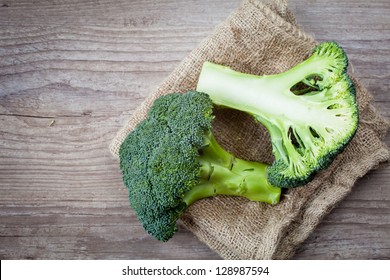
column 171, row 159
column 310, row 110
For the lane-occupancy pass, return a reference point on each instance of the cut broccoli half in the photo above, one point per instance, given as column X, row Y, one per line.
column 310, row 110
column 171, row 160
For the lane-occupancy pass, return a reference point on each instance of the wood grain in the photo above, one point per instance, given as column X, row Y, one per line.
column 72, row 72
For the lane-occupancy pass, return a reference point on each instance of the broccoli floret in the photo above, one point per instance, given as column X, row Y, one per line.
column 171, row 159
column 310, row 110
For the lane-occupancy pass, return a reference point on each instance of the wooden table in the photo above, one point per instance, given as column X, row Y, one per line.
column 72, row 72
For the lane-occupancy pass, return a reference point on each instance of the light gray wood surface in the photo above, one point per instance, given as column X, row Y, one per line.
column 72, row 72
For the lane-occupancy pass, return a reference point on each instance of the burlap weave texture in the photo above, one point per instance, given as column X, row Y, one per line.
column 262, row 37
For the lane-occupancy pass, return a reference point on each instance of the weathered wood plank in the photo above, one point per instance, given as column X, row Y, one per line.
column 72, row 72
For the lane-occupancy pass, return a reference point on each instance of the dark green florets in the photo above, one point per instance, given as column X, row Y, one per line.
column 159, row 159
column 171, row 160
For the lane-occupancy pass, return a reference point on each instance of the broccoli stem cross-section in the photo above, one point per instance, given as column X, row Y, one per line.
column 309, row 110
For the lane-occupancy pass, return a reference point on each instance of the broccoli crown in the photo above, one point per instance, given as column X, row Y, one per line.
column 159, row 159
column 171, row 159
column 310, row 110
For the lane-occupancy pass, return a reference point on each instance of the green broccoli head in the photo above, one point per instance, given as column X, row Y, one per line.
column 310, row 110
column 171, row 159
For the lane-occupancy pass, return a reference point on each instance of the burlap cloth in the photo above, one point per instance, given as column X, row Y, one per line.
column 263, row 38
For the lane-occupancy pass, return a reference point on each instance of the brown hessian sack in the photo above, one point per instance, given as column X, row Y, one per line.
column 262, row 37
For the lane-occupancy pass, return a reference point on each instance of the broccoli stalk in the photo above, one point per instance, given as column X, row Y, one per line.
column 222, row 173
column 310, row 110
column 171, row 160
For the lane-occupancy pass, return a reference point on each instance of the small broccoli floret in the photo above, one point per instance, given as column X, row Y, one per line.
column 171, row 159
column 310, row 110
